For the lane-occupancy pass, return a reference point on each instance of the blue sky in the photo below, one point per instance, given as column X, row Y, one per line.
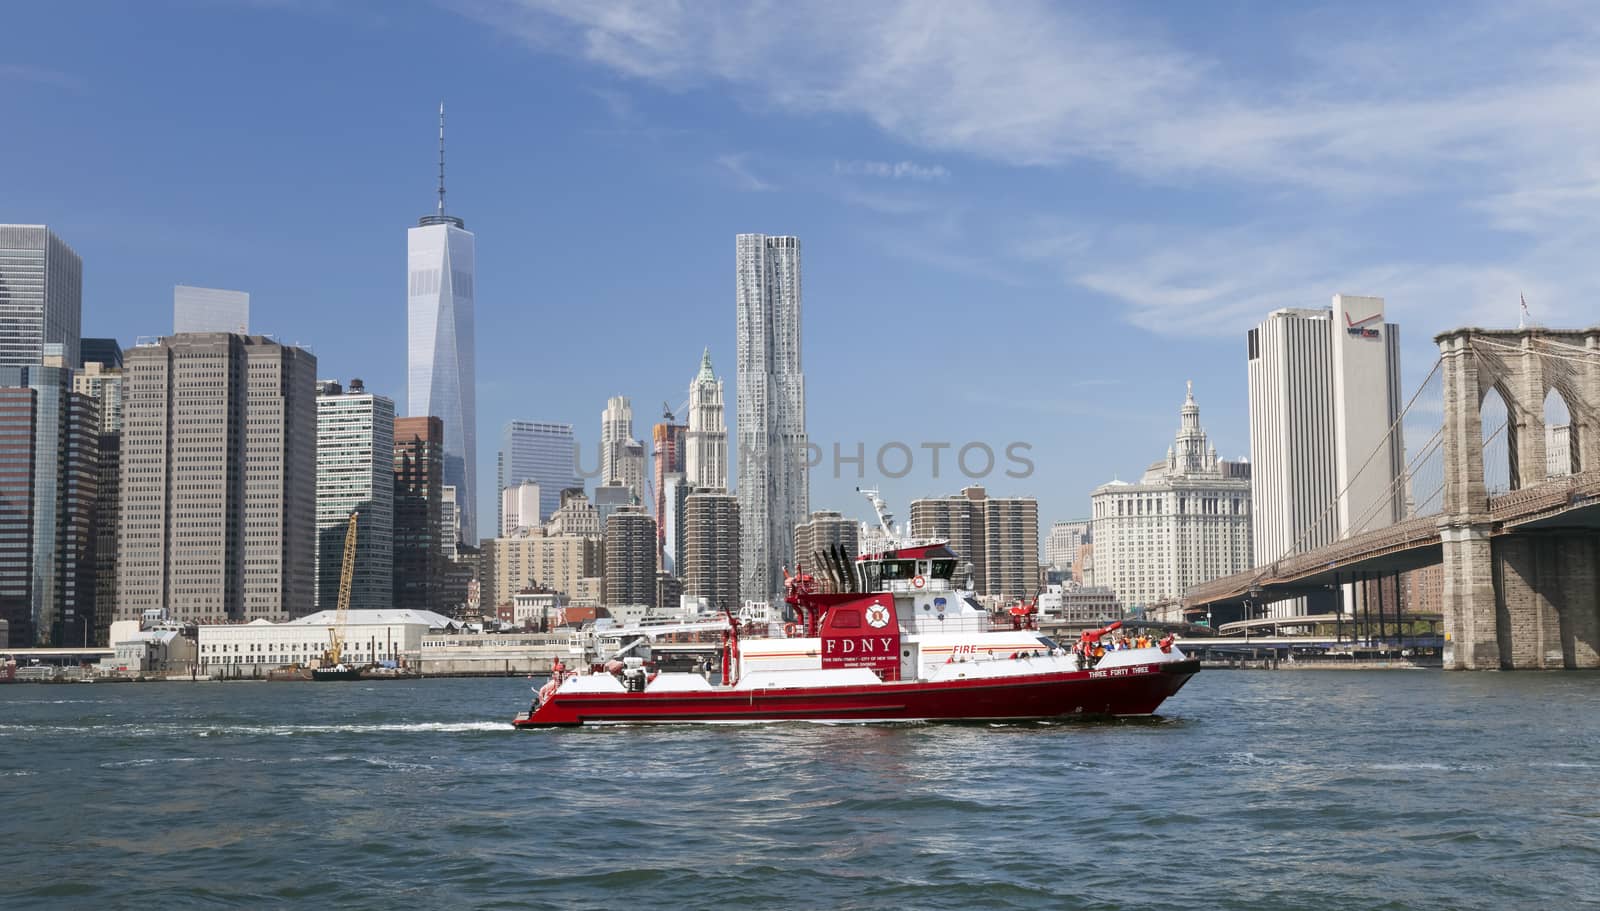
column 1020, row 222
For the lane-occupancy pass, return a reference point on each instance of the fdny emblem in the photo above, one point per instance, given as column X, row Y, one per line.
column 877, row 616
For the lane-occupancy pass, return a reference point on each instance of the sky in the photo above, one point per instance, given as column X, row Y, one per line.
column 1022, row 224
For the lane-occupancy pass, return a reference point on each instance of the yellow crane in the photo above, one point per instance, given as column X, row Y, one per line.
column 347, row 572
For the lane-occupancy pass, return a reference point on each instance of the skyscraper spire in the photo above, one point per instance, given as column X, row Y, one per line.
column 441, row 158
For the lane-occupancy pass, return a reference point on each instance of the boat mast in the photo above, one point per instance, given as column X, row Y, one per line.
column 885, row 518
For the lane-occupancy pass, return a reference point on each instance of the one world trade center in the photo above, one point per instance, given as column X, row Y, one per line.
column 441, row 349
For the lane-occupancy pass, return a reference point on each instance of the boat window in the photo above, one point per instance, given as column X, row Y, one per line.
column 871, row 576
column 944, row 569
column 1048, row 642
column 846, row 619
column 899, row 569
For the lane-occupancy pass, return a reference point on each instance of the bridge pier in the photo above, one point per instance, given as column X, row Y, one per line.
column 1549, row 616
column 1471, row 642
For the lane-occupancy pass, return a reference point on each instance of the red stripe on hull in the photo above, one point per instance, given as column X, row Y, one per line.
column 1137, row 690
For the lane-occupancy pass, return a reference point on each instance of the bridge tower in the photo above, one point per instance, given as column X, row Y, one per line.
column 1526, row 598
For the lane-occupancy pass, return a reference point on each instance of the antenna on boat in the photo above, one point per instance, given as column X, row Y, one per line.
column 885, row 518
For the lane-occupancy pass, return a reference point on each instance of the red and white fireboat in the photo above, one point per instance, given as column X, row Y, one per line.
column 900, row 643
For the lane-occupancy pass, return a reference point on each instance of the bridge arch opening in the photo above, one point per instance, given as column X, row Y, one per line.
column 1560, row 447
column 1499, row 443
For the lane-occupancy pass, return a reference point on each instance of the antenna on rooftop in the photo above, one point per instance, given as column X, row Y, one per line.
column 441, row 158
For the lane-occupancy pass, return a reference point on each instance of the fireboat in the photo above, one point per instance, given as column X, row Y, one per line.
column 896, row 640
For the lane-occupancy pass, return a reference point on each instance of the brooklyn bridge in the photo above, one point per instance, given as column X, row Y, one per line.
column 1503, row 527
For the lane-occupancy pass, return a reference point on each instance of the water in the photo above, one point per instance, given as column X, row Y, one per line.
column 1317, row 790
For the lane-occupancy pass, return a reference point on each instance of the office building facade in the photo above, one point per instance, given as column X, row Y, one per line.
column 1062, row 543
column 49, row 589
column 630, row 561
column 519, row 508
column 1184, row 523
column 418, row 508
column 667, row 452
column 355, row 474
column 997, row 537
column 210, row 310
column 218, row 506
column 711, row 550
column 1324, row 395
column 822, row 533
column 541, row 452
column 41, row 296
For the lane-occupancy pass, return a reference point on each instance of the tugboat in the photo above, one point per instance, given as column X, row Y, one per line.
column 895, row 641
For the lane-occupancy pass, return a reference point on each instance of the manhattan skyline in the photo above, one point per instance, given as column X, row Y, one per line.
column 1079, row 267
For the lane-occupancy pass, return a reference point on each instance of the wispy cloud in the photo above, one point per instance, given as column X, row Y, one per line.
column 1481, row 116
column 1032, row 83
column 897, row 170
column 743, row 178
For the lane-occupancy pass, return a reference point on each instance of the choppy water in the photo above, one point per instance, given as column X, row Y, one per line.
column 1319, row 790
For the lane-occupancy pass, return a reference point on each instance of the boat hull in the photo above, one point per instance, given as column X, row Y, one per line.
column 1123, row 691
column 329, row 673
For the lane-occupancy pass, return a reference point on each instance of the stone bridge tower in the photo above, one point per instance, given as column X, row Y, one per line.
column 1524, row 597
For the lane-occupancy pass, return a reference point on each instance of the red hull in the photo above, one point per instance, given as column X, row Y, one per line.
column 1136, row 690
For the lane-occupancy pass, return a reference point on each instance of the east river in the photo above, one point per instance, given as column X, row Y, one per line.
column 1316, row 790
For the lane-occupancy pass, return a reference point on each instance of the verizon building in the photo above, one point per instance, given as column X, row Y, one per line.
column 1324, row 393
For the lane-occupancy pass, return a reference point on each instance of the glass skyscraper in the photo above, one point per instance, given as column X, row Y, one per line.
column 41, row 296
column 542, row 453
column 355, row 473
column 441, row 347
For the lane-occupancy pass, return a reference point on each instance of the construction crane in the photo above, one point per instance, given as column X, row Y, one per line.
column 347, row 572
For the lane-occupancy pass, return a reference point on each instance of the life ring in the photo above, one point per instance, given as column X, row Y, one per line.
column 918, row 581
column 789, row 629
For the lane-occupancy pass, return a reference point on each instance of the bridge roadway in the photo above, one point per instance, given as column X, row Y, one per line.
column 1569, row 502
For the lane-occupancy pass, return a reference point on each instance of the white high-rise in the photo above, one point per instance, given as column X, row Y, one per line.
column 519, row 508
column 771, row 388
column 705, row 464
column 1324, row 395
column 621, row 456
column 41, row 296
column 441, row 378
column 209, row 310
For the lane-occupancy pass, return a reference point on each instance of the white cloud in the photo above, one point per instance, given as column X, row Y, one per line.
column 898, row 170
column 1479, row 118
column 1030, row 83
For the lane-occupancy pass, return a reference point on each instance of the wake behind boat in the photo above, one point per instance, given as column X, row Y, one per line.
column 901, row 643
